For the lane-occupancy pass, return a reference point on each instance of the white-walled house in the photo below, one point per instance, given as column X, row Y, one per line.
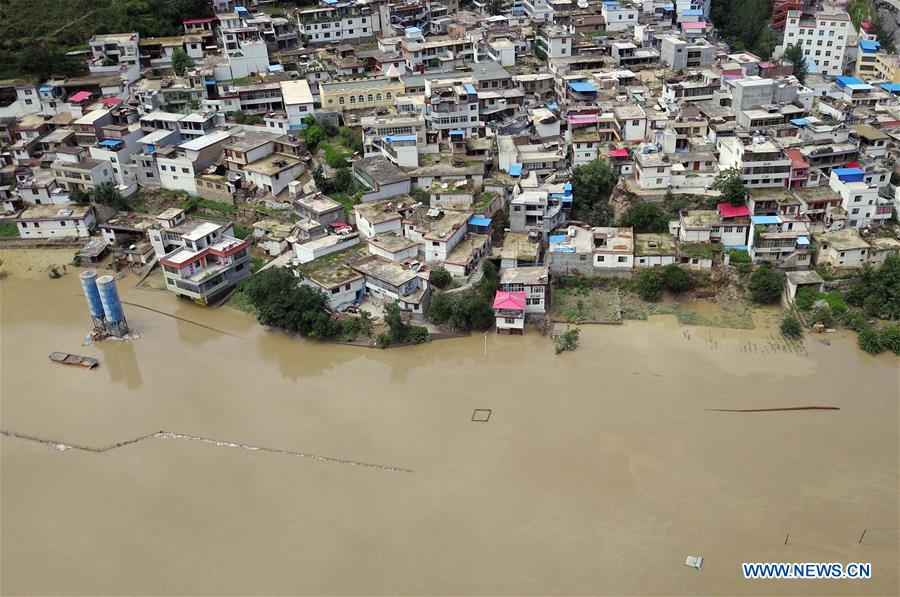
column 534, row 281
column 57, row 221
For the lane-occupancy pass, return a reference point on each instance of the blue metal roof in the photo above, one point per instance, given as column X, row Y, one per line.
column 891, row 87
column 392, row 138
column 515, row 170
column 457, row 132
column 470, row 88
column 582, row 87
column 869, row 46
column 557, row 238
column 479, row 221
column 765, row 219
column 109, row 142
column 845, row 81
column 850, row 174
column 800, row 121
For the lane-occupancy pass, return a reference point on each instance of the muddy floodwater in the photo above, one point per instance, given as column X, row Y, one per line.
column 271, row 465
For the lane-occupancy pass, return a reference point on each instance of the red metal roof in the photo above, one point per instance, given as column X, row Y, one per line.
column 195, row 21
column 728, row 210
column 618, row 153
column 111, row 101
column 852, row 165
column 513, row 301
column 80, row 96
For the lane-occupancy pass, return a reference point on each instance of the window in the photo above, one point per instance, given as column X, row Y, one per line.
column 389, row 95
column 582, row 257
column 335, row 290
column 378, row 97
column 347, row 287
column 622, row 259
column 361, row 100
column 185, row 170
column 601, row 258
column 509, row 320
column 371, row 97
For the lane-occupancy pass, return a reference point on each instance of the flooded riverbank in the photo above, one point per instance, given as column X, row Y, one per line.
column 598, row 471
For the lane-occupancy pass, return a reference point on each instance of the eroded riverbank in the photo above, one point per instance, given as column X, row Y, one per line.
column 598, row 471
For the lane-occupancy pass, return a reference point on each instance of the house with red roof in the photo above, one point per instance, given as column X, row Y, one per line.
column 509, row 312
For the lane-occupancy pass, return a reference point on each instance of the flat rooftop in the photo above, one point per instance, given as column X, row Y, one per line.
column 533, row 274
column 437, row 228
column 391, row 242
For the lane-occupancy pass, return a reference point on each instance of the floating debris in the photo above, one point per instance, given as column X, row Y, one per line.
column 694, row 561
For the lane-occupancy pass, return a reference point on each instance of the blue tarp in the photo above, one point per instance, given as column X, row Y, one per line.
column 559, row 238
column 765, row 220
column 515, row 170
column 567, row 200
column 846, row 81
column 800, row 122
column 241, row 11
column 869, row 46
column 552, row 106
column 470, row 88
column 479, row 221
column 850, row 174
column 413, row 30
column 568, row 188
column 612, row 3
column 109, row 143
column 582, row 87
column 46, row 89
column 803, row 241
column 811, row 66
column 562, row 249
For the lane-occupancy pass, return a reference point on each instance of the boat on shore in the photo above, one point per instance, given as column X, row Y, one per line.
column 74, row 360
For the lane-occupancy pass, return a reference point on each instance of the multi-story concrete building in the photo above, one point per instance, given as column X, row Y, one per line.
column 677, row 54
column 860, row 200
column 344, row 21
column 57, row 221
column 761, row 162
column 823, row 37
column 536, row 213
column 201, row 260
column 618, row 16
column 74, row 169
column 116, row 54
column 451, row 107
column 374, row 92
column 554, row 41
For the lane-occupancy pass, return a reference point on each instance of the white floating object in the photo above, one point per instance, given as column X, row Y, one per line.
column 694, row 562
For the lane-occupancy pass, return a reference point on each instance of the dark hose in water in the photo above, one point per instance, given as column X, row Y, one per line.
column 770, row 410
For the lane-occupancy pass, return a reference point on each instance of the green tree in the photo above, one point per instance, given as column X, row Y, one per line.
column 878, row 291
column 645, row 217
column 538, row 52
column 791, row 328
column 494, row 7
column 314, row 135
column 568, row 340
column 282, row 302
column 592, row 185
column 108, row 194
column 676, row 278
column 794, row 54
column 765, row 285
column 440, row 277
column 731, row 186
column 181, row 61
column 649, row 285
column 79, row 196
column 397, row 328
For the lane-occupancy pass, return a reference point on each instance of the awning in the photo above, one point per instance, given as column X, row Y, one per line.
column 80, row 96
column 583, row 119
column 479, row 221
column 732, row 211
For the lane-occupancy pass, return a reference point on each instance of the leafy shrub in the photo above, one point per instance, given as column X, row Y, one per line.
column 890, row 338
column 791, row 328
column 383, row 340
column 869, row 340
column 568, row 340
column 736, row 256
column 440, row 277
column 824, row 316
column 648, row 285
column 765, row 285
column 744, row 268
column 676, row 278
column 418, row 334
column 805, row 297
column 853, row 320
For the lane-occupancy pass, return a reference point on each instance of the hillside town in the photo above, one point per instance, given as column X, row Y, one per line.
column 398, row 155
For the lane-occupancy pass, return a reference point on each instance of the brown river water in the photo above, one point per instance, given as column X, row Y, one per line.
column 598, row 471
